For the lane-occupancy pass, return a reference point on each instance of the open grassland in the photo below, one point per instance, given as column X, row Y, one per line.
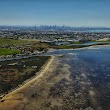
column 11, row 46
column 10, row 42
column 4, row 51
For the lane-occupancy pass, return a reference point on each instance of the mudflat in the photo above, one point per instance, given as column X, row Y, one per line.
column 21, row 96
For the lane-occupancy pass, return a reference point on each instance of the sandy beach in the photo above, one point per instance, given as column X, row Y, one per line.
column 19, row 95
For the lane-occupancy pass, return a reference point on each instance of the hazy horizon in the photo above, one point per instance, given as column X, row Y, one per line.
column 81, row 13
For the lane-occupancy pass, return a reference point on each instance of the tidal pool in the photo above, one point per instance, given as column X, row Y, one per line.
column 90, row 70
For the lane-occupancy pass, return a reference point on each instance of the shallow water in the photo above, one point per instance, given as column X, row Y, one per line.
column 92, row 67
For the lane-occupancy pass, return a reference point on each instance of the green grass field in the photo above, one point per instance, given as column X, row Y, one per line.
column 4, row 51
column 5, row 41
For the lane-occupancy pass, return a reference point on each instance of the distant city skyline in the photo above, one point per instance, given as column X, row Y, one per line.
column 74, row 13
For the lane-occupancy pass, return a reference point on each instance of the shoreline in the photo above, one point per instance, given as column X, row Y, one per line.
column 92, row 46
column 52, row 50
column 43, row 68
column 53, row 89
column 25, row 85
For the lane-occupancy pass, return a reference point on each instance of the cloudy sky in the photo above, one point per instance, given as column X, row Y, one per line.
column 55, row 12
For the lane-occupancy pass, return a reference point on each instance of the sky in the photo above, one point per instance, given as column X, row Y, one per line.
column 76, row 13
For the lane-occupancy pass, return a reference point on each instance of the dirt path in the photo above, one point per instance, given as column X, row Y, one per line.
column 19, row 96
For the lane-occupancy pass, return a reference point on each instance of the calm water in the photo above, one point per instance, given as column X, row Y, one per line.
column 92, row 66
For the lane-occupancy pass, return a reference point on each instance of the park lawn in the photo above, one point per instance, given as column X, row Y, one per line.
column 4, row 51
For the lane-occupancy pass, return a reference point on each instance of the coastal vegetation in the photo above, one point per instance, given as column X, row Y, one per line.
column 15, row 72
column 27, row 46
column 16, row 46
